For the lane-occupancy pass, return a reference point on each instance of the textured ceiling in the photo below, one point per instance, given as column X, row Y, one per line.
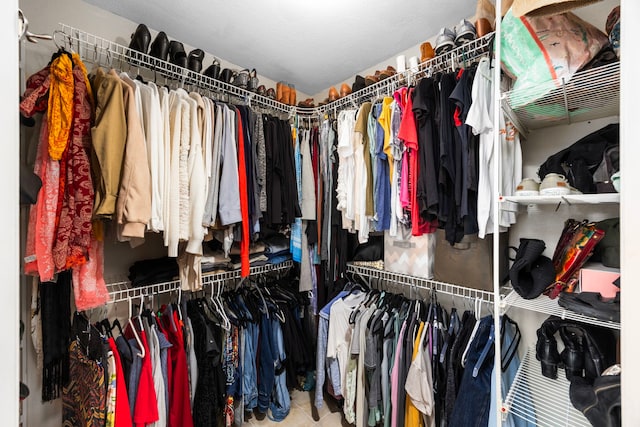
column 312, row 44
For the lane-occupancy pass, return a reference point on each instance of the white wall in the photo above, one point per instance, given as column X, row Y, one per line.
column 9, row 249
column 630, row 232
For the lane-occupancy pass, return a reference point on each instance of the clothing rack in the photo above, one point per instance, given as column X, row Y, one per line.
column 99, row 50
column 122, row 291
column 420, row 283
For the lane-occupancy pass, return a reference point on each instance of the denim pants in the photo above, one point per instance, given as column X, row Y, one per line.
column 266, row 371
column 280, row 400
column 471, row 408
column 249, row 376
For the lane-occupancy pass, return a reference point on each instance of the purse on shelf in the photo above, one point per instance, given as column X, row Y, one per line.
column 574, row 248
column 226, row 75
column 253, row 81
column 241, row 79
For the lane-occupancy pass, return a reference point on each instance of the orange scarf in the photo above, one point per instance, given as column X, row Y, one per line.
column 60, row 109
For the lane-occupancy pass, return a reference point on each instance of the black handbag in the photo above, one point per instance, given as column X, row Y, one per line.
column 226, row 75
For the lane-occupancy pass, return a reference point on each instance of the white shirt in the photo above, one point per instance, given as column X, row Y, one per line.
column 339, row 333
column 154, row 133
column 419, row 381
column 346, row 169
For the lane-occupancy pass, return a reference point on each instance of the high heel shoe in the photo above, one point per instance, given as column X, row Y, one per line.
column 160, row 46
column 140, row 39
column 195, row 59
column 213, row 70
column 177, row 55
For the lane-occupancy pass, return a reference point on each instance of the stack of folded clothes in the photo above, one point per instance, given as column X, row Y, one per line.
column 214, row 261
column 256, row 255
column 150, row 271
column 276, row 248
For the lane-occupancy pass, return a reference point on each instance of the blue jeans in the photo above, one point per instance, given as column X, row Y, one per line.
column 249, row 377
column 471, row 408
column 281, row 400
column 266, row 371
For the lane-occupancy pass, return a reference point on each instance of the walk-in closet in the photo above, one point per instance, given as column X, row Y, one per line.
column 320, row 213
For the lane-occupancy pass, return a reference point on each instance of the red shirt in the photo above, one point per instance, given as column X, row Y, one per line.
column 244, row 203
column 179, row 401
column 123, row 412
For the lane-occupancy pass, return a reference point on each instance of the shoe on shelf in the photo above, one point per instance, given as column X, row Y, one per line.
column 227, row 75
column 369, row 80
column 307, row 103
column 271, row 93
column 426, row 52
column 160, row 46
column 465, row 32
column 261, row 90
column 345, row 90
column 333, row 94
column 195, row 58
column 286, row 93
column 253, row 80
column 483, row 27
column 177, row 55
column 140, row 39
column 445, row 41
column 528, row 187
column 388, row 72
column 213, row 70
column 358, row 84
column 279, row 87
column 554, row 184
column 293, row 95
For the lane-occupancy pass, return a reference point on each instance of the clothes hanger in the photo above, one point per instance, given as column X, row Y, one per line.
column 478, row 308
column 226, row 324
column 142, row 353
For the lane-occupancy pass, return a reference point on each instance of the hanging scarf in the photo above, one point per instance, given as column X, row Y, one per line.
column 60, row 105
column 55, row 318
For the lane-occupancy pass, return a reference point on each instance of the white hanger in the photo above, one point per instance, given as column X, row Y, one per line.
column 226, row 324
column 142, row 352
column 477, row 306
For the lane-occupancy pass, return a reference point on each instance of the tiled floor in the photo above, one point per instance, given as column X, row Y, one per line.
column 304, row 413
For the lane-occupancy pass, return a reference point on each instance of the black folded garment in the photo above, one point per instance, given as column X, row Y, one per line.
column 149, row 271
column 592, row 304
column 276, row 243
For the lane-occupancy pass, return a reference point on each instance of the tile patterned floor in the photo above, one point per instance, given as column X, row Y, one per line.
column 304, row 413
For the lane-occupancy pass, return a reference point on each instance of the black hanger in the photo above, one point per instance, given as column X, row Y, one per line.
column 60, row 51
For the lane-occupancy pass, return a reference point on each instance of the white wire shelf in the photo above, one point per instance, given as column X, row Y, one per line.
column 544, row 304
column 587, row 95
column 459, row 56
column 569, row 199
column 540, row 400
column 122, row 291
column 96, row 49
column 419, row 283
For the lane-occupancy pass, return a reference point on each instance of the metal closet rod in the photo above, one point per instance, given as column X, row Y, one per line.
column 421, row 283
column 120, row 291
column 90, row 47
